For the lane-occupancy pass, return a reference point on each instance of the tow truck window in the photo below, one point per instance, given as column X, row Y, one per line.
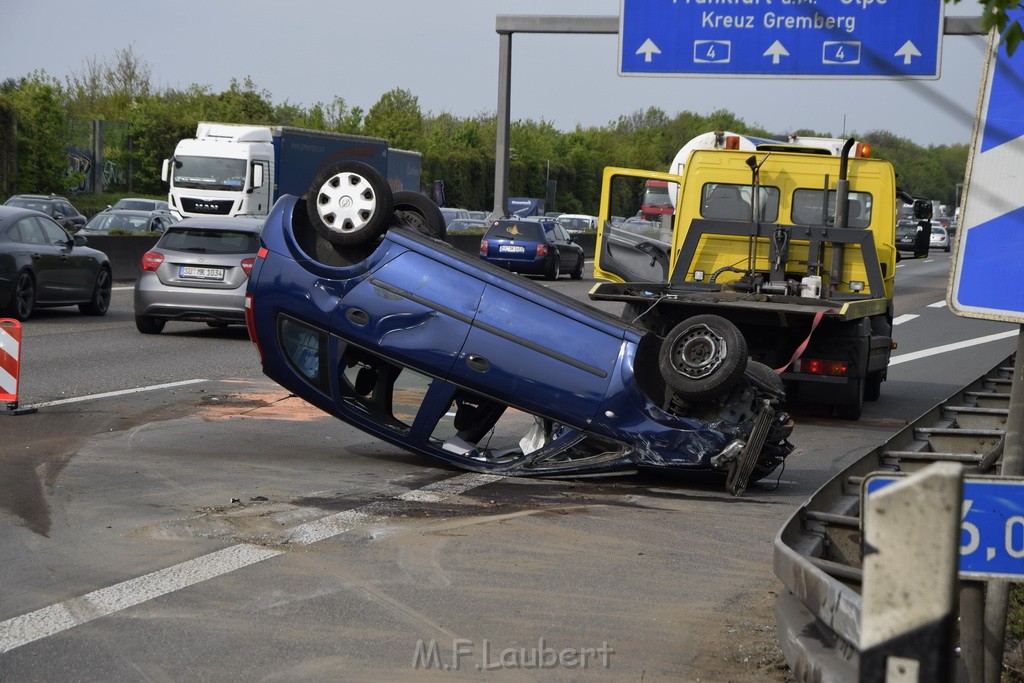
column 727, row 202
column 807, row 208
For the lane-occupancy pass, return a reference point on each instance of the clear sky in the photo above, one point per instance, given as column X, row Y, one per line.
column 446, row 53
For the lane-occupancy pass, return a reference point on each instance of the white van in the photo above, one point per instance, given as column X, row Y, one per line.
column 576, row 223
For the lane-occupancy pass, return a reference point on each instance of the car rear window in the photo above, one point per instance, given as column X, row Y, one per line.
column 206, row 241
column 515, row 230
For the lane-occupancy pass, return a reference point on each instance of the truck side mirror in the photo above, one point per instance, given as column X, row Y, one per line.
column 257, row 175
column 922, row 209
column 165, row 171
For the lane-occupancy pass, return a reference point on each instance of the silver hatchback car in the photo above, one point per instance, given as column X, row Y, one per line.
column 197, row 272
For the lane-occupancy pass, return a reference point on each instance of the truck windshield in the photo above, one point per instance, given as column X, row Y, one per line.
column 209, row 173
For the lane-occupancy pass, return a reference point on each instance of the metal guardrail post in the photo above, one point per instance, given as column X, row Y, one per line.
column 997, row 596
column 911, row 550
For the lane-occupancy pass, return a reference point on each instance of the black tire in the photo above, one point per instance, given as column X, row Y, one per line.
column 420, row 212
column 577, row 272
column 147, row 324
column 703, row 357
column 765, row 375
column 873, row 386
column 554, row 270
column 100, row 302
column 349, row 203
column 23, row 299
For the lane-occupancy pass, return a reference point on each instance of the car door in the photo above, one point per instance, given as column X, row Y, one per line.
column 570, row 252
column 534, row 352
column 44, row 258
column 414, row 310
column 634, row 251
column 77, row 269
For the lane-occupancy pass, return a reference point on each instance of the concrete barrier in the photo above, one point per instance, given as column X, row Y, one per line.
column 125, row 251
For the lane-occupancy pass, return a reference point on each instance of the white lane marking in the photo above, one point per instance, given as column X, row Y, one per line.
column 925, row 353
column 51, row 620
column 938, row 304
column 122, row 392
column 65, row 615
column 905, row 318
column 122, row 288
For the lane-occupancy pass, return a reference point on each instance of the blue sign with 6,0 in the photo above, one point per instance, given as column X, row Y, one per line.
column 782, row 38
column 991, row 526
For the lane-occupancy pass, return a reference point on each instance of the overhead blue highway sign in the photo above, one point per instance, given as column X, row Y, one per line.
column 985, row 279
column 991, row 526
column 897, row 39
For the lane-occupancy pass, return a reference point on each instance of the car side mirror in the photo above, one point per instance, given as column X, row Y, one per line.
column 79, row 240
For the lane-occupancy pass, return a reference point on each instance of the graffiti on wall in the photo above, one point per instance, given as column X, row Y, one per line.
column 80, row 163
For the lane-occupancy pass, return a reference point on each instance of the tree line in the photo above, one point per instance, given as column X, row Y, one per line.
column 40, row 117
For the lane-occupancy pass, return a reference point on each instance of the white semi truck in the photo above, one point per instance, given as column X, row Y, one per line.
column 236, row 170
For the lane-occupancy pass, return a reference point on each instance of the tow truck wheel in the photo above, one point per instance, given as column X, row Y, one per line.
column 420, row 212
column 703, row 357
column 349, row 203
column 873, row 386
column 852, row 409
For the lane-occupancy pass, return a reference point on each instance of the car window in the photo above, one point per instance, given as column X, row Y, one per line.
column 54, row 233
column 135, row 204
column 560, row 233
column 514, row 230
column 807, row 208
column 206, row 241
column 27, row 231
column 31, row 204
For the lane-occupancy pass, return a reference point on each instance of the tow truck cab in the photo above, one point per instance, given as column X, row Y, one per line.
column 756, row 238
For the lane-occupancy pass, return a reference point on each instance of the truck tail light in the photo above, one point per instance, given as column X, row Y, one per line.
column 250, row 324
column 151, row 260
column 813, row 366
column 247, row 264
column 542, row 249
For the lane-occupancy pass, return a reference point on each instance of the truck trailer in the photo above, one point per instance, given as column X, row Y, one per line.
column 235, row 170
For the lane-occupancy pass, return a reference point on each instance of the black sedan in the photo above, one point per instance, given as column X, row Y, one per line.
column 41, row 265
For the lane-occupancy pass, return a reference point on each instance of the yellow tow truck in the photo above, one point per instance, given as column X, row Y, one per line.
column 793, row 247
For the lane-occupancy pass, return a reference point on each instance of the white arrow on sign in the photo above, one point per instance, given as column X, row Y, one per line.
column 776, row 51
column 908, row 52
column 648, row 49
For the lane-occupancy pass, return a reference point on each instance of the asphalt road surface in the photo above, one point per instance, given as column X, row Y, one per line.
column 170, row 514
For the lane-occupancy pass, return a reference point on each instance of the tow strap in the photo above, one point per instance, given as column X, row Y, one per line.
column 803, row 345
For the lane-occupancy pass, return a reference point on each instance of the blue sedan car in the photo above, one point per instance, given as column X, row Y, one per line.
column 453, row 358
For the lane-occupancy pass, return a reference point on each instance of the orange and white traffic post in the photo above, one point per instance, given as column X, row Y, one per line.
column 10, row 365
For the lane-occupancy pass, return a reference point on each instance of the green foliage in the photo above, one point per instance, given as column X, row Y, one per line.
column 142, row 125
column 397, row 118
column 42, row 128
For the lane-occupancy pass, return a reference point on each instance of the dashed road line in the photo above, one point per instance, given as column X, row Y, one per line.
column 48, row 621
column 905, row 318
column 956, row 346
column 122, row 392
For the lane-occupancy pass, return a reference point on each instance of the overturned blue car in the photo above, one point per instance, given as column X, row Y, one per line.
column 358, row 306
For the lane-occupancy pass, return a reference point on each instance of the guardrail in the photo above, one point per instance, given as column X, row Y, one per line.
column 818, row 554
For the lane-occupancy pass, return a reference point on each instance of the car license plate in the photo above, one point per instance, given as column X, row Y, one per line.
column 197, row 273
column 508, row 248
